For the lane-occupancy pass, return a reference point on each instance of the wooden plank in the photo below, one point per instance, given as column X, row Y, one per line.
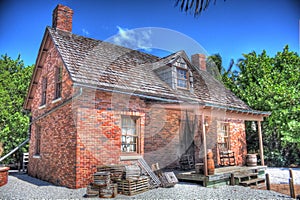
column 252, row 181
column 261, row 147
column 204, row 144
column 155, row 182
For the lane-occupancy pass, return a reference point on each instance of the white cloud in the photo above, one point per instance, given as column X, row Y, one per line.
column 134, row 39
column 85, row 32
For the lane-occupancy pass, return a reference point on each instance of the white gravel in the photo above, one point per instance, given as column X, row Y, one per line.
column 22, row 186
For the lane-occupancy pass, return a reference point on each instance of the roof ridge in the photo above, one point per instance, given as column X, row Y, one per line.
column 98, row 40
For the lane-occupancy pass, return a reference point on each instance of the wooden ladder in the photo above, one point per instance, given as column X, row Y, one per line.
column 154, row 182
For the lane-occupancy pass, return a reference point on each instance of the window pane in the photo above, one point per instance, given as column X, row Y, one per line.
column 129, row 135
column 182, row 78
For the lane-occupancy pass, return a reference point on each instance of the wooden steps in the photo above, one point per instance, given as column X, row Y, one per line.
column 249, row 179
column 253, row 182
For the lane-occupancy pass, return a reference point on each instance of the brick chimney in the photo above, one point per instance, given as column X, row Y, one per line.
column 199, row 60
column 62, row 18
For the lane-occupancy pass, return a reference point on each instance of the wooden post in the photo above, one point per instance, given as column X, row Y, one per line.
column 268, row 181
column 261, row 146
column 204, row 144
column 292, row 186
column 232, row 179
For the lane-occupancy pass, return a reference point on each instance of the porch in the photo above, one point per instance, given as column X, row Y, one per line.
column 232, row 175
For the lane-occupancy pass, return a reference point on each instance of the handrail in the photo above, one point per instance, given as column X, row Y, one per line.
column 14, row 150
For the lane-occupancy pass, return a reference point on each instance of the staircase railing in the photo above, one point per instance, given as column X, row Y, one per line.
column 14, row 150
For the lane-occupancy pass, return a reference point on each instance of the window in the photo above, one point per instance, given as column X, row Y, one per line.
column 37, row 140
column 130, row 134
column 223, row 136
column 58, row 82
column 44, row 91
column 182, row 80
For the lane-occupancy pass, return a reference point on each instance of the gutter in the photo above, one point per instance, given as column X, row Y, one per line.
column 256, row 112
column 128, row 93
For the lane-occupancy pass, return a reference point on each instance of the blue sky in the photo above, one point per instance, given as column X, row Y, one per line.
column 230, row 28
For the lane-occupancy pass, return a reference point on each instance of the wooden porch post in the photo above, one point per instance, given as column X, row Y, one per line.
column 204, row 145
column 261, row 147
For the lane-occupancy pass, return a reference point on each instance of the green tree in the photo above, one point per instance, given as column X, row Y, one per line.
column 14, row 81
column 216, row 69
column 273, row 84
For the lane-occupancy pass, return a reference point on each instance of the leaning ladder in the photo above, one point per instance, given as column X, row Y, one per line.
column 154, row 182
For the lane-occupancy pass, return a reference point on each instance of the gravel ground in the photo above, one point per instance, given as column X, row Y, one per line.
column 282, row 175
column 22, row 186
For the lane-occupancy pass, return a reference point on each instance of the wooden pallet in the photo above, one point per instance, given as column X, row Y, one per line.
column 253, row 182
column 102, row 178
column 92, row 190
column 132, row 171
column 133, row 186
column 116, row 171
column 108, row 192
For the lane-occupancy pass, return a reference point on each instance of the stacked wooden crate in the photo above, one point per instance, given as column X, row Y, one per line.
column 132, row 171
column 133, row 186
column 125, row 179
column 116, row 171
column 102, row 186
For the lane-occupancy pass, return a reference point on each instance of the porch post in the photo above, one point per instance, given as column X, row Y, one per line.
column 261, row 147
column 204, row 145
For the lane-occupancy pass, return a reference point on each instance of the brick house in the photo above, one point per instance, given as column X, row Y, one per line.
column 95, row 103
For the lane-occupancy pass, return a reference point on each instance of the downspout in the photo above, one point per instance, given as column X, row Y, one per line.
column 29, row 128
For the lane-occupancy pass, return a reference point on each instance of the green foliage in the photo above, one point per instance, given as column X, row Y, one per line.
column 14, row 81
column 273, row 84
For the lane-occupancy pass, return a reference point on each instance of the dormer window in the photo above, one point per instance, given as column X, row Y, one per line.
column 182, row 78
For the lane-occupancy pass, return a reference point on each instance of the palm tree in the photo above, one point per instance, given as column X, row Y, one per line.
column 197, row 6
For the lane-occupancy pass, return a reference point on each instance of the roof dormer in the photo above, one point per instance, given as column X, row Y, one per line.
column 175, row 70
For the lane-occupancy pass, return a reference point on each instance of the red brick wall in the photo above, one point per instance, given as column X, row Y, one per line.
column 99, row 131
column 237, row 139
column 56, row 162
column 162, row 136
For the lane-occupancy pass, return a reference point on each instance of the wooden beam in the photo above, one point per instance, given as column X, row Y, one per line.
column 261, row 146
column 204, row 144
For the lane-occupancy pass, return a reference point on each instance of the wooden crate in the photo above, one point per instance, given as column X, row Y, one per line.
column 132, row 171
column 133, row 186
column 116, row 171
column 102, row 178
column 92, row 190
column 109, row 192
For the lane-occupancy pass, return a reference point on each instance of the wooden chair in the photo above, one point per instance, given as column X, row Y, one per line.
column 226, row 156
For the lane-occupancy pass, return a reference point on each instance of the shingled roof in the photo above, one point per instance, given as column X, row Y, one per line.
column 109, row 67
